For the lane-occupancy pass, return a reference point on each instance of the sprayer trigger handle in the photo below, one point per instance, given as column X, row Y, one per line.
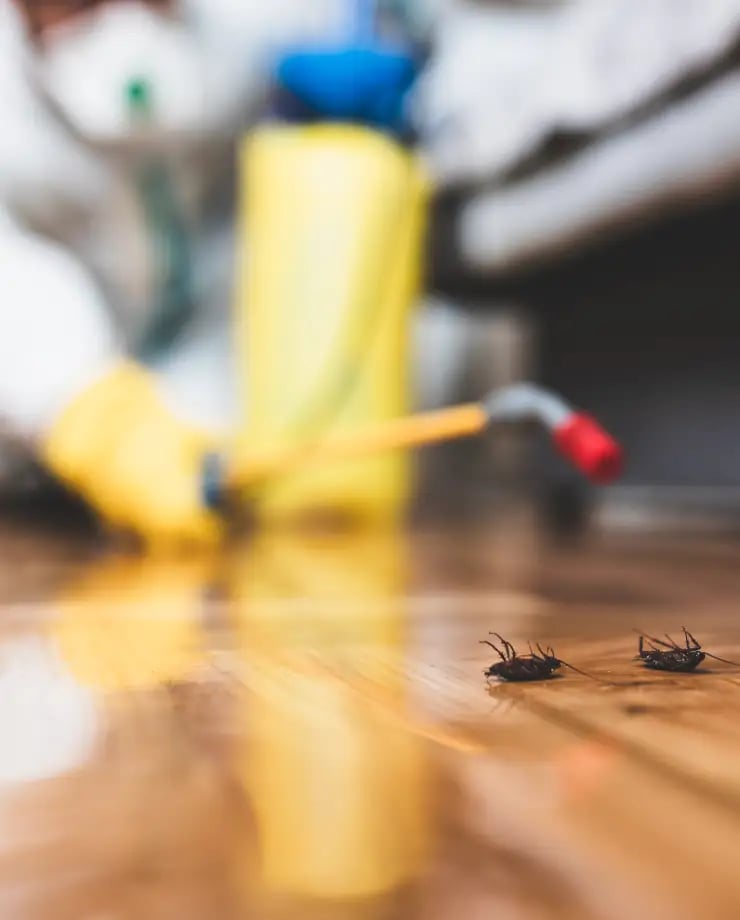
column 213, row 482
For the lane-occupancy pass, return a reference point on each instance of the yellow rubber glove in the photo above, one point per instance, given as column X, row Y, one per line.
column 120, row 447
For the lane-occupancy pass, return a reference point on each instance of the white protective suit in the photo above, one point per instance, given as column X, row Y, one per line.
column 75, row 252
column 78, row 276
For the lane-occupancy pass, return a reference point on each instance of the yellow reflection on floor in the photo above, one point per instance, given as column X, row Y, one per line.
column 338, row 785
column 133, row 623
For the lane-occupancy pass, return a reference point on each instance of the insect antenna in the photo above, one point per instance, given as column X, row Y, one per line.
column 579, row 671
column 723, row 660
column 697, row 647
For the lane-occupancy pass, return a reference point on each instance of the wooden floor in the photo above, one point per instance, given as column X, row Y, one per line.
column 301, row 729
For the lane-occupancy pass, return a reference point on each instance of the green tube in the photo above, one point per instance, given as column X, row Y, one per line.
column 174, row 298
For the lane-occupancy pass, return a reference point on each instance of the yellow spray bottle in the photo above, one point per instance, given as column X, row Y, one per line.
column 333, row 212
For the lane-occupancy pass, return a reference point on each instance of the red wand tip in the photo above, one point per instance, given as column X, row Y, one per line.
column 588, row 447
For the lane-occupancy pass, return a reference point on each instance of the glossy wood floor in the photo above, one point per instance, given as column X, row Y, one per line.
column 302, row 729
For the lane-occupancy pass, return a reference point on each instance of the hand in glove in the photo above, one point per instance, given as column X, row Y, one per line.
column 120, row 448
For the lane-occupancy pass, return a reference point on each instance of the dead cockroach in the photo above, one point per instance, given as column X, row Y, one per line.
column 672, row 656
column 540, row 665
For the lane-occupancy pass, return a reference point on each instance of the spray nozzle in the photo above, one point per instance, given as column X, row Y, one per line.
column 139, row 97
column 589, row 448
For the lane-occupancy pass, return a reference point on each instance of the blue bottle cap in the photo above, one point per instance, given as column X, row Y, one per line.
column 360, row 83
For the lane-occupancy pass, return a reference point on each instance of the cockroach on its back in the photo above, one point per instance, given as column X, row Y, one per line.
column 672, row 656
column 540, row 665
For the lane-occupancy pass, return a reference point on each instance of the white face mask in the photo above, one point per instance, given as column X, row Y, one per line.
column 124, row 74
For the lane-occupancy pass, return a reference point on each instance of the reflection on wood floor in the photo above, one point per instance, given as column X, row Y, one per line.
column 301, row 728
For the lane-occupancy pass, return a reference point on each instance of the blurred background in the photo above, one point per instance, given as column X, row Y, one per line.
column 590, row 200
column 583, row 168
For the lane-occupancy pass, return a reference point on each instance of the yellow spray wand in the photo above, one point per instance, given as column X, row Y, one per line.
column 577, row 436
column 410, row 431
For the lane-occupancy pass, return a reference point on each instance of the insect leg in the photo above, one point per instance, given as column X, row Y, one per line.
column 508, row 647
column 694, row 644
column 641, row 653
column 656, row 642
column 642, row 640
column 497, row 650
